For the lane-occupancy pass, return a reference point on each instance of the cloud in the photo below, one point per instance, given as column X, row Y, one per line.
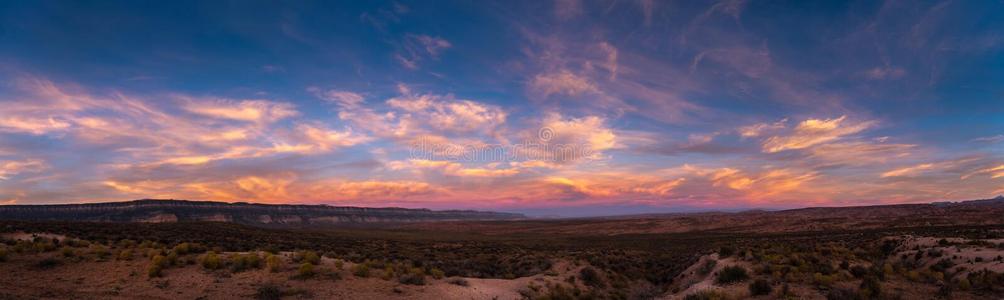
column 447, row 114
column 317, row 138
column 260, row 111
column 373, row 191
column 753, row 63
column 773, row 184
column 11, row 168
column 756, row 130
column 607, row 186
column 908, row 171
column 562, row 83
column 861, row 153
column 882, row 73
column 412, row 116
column 590, row 133
column 647, row 7
column 453, row 168
column 989, row 139
column 813, row 132
column 344, row 99
column 567, row 9
column 279, row 187
column 36, row 126
column 418, row 47
column 993, row 171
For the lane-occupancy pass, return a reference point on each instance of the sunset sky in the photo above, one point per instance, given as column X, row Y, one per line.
column 668, row 105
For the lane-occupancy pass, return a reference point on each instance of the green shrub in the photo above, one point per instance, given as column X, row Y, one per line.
column 760, row 287
column 870, row 288
column 183, row 248
column 306, row 270
column 268, row 291
column 708, row 266
column 67, row 251
column 590, row 277
column 388, row 273
column 48, row 263
column 42, row 245
column 100, row 251
column 307, row 257
column 172, row 258
column 211, row 261
column 242, row 262
column 822, row 280
column 436, row 273
column 964, row 284
column 157, row 265
column 125, row 254
column 126, row 243
column 414, row 277
column 731, row 274
column 274, row 262
column 361, row 270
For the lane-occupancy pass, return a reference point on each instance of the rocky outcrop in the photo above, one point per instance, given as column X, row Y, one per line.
column 150, row 210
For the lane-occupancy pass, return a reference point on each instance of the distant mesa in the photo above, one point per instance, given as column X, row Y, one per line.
column 270, row 215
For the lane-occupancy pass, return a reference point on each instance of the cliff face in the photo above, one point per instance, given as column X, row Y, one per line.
column 149, row 210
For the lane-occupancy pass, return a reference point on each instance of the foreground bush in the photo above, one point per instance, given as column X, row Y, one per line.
column 273, row 262
column 760, row 287
column 306, row 270
column 732, row 274
column 310, row 257
column 48, row 263
column 243, row 262
column 436, row 273
column 361, row 270
column 870, row 288
column 590, row 277
column 211, row 261
column 413, row 277
column 157, row 265
column 268, row 291
column 99, row 251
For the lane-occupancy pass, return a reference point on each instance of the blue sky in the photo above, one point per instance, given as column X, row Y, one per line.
column 670, row 105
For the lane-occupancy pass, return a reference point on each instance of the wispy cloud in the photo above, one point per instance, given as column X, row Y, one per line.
column 813, row 132
column 416, row 48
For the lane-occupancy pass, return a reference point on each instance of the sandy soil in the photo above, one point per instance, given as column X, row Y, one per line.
column 115, row 279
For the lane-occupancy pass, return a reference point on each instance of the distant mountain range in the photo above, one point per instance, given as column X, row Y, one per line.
column 963, row 213
column 270, row 215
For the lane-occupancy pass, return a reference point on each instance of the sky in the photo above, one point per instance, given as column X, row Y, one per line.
column 544, row 107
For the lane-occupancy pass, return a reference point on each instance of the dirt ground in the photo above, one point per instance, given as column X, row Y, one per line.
column 114, row 279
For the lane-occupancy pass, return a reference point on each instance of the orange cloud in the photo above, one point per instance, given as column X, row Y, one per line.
column 813, row 132
column 563, row 82
column 908, row 170
column 32, row 125
column 452, row 168
column 262, row 111
column 994, row 171
column 11, row 168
